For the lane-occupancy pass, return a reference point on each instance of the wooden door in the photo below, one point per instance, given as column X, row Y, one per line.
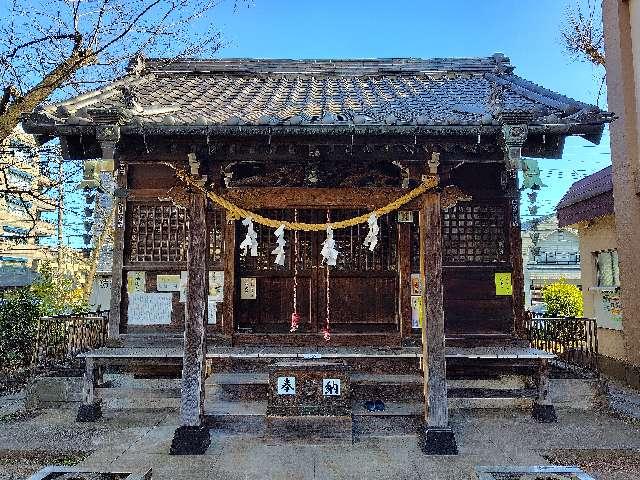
column 362, row 287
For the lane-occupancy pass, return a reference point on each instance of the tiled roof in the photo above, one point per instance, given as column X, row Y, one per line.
column 586, row 199
column 468, row 91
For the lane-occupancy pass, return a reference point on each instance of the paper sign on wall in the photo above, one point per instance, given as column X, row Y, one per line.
column 416, row 284
column 405, row 216
column 183, row 286
column 503, row 284
column 248, row 288
column 416, row 311
column 149, row 308
column 216, row 286
column 212, row 311
column 136, row 282
column 168, row 283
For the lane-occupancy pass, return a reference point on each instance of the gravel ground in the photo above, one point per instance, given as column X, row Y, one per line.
column 19, row 464
column 609, row 464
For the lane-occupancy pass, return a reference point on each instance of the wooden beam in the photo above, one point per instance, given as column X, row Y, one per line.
column 192, row 405
column 404, row 279
column 436, row 410
column 117, row 290
column 286, row 197
column 229, row 276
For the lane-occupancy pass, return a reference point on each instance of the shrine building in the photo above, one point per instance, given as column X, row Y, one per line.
column 228, row 174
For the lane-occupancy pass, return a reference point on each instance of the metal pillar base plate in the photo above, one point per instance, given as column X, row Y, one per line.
column 189, row 440
column 89, row 412
column 544, row 413
column 439, row 441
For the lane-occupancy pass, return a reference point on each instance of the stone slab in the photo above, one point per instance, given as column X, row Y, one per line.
column 306, row 394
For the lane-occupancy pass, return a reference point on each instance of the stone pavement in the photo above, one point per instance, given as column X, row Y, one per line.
column 140, row 439
column 10, row 404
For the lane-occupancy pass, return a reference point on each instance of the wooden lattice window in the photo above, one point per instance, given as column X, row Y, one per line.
column 159, row 233
column 264, row 262
column 474, row 234
column 354, row 256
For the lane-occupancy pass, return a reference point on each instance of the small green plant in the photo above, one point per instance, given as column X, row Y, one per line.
column 563, row 299
column 21, row 309
column 19, row 313
column 57, row 293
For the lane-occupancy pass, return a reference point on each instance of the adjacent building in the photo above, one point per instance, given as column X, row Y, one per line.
column 622, row 47
column 588, row 206
column 23, row 203
column 550, row 253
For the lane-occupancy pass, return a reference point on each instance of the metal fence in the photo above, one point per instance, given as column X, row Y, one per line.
column 59, row 339
column 573, row 340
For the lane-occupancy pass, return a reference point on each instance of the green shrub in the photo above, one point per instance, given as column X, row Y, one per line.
column 20, row 310
column 562, row 300
column 57, row 293
column 19, row 314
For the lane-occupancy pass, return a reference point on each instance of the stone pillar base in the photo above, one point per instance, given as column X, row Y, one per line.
column 89, row 412
column 439, row 441
column 189, row 440
column 544, row 413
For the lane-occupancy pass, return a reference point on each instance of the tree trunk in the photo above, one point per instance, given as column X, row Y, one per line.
column 38, row 94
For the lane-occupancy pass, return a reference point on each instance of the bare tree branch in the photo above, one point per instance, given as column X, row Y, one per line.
column 583, row 36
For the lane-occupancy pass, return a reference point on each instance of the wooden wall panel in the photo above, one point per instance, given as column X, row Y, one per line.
column 471, row 305
column 363, row 300
column 271, row 310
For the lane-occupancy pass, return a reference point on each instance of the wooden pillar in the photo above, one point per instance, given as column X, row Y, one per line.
column 90, row 409
column 229, row 276
column 515, row 132
column 515, row 251
column 120, row 200
column 439, row 438
column 404, row 280
column 192, row 437
column 543, row 409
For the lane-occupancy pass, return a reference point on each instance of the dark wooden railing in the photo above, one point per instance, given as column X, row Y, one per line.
column 59, row 339
column 573, row 340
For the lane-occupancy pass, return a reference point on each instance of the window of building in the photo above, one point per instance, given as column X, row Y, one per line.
column 608, row 273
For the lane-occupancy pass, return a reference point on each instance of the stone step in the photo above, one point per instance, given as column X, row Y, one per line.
column 367, row 386
column 356, row 363
column 397, row 418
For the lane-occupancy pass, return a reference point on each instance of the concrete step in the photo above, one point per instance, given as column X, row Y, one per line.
column 237, row 386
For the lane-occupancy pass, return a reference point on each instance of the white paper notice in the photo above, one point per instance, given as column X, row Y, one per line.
column 183, row 286
column 212, row 311
column 216, row 285
column 168, row 283
column 150, row 308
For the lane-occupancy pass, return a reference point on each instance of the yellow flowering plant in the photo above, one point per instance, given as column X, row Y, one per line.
column 563, row 299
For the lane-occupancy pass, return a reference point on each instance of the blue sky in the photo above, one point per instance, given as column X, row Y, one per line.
column 527, row 31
